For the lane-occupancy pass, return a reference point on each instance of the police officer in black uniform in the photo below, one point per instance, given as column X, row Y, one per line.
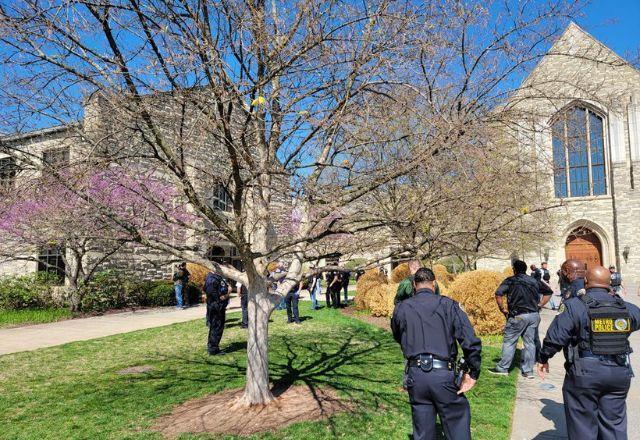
column 572, row 273
column 593, row 329
column 428, row 327
column 217, row 291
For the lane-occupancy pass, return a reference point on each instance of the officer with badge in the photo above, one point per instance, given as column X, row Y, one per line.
column 572, row 272
column 594, row 329
column 216, row 290
column 428, row 327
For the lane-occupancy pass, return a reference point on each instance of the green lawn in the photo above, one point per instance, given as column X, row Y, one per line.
column 10, row 318
column 73, row 391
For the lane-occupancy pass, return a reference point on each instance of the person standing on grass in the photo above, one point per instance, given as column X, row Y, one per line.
column 346, row 277
column 523, row 302
column 335, row 288
column 244, row 303
column 216, row 290
column 315, row 289
column 291, row 300
column 429, row 328
column 405, row 288
column 180, row 284
column 328, row 277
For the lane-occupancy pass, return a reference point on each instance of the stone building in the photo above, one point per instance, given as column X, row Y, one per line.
column 582, row 131
column 115, row 137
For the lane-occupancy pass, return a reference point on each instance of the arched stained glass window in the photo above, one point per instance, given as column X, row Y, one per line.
column 578, row 154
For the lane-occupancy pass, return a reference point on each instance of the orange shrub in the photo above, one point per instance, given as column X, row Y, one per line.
column 442, row 274
column 507, row 271
column 475, row 292
column 400, row 273
column 198, row 274
column 380, row 299
column 370, row 280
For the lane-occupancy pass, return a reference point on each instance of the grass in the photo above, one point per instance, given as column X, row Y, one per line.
column 73, row 391
column 10, row 318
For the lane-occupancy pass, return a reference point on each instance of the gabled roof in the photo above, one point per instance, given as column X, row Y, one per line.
column 577, row 42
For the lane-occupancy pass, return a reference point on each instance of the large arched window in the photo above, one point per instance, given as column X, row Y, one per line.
column 578, row 154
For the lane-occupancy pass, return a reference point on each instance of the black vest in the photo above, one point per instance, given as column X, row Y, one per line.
column 609, row 326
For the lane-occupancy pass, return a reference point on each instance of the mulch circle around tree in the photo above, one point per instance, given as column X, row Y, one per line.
column 218, row 414
column 378, row 321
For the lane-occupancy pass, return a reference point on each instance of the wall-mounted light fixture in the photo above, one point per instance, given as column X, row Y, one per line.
column 625, row 254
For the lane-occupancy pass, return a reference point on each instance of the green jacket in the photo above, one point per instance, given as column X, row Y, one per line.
column 406, row 290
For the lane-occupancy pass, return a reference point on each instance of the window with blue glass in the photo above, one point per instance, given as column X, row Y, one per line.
column 578, row 154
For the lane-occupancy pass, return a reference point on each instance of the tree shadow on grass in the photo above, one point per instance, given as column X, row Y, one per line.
column 364, row 367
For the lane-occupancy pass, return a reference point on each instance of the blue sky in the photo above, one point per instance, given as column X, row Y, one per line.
column 616, row 23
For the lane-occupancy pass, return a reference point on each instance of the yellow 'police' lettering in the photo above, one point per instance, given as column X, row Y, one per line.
column 608, row 325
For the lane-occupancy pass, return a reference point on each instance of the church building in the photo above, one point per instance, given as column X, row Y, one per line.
column 582, row 103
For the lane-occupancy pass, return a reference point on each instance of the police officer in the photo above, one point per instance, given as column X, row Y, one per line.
column 217, row 292
column 428, row 328
column 616, row 281
column 593, row 329
column 572, row 273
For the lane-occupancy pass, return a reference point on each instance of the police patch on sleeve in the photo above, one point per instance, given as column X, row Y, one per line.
column 562, row 308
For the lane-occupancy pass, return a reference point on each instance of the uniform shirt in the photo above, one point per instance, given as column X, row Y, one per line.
column 616, row 279
column 575, row 287
column 523, row 293
column 215, row 286
column 571, row 325
column 430, row 324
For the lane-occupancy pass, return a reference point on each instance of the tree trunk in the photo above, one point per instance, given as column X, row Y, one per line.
column 261, row 304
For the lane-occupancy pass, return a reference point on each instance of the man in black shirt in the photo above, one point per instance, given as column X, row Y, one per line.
column 428, row 327
column 523, row 317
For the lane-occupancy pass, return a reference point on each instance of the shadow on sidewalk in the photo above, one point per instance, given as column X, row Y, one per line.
column 554, row 412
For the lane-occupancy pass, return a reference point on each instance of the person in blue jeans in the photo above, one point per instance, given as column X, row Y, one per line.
column 291, row 300
column 315, row 289
column 180, row 282
column 525, row 296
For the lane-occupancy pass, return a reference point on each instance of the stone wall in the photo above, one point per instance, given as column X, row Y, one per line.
column 580, row 70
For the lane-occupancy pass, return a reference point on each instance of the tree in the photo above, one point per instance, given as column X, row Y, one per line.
column 40, row 213
column 267, row 105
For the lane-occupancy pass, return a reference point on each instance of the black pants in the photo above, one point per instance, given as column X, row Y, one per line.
column 595, row 393
column 216, row 316
column 434, row 393
column 291, row 300
column 328, row 296
column 335, row 296
column 244, row 304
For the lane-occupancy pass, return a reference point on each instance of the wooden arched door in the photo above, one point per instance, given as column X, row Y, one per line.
column 583, row 245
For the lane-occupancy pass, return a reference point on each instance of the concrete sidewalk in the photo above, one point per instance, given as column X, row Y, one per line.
column 32, row 337
column 539, row 411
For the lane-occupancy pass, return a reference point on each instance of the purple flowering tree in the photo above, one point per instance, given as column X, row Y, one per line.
column 90, row 216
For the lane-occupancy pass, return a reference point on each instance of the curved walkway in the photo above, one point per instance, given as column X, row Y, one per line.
column 539, row 411
column 32, row 337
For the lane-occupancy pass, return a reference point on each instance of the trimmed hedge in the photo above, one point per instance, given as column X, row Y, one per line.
column 107, row 290
column 27, row 292
column 112, row 290
column 475, row 292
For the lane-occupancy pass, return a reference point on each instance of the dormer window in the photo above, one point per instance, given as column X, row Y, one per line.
column 578, row 154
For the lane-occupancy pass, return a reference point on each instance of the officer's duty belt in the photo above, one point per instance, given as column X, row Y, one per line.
column 430, row 362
